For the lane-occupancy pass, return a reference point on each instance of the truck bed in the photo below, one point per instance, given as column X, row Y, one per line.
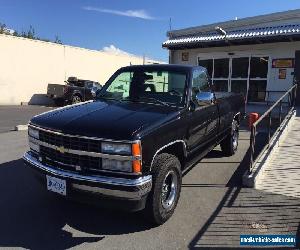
column 55, row 90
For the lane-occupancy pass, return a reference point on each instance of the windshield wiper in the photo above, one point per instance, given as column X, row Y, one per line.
column 155, row 100
column 106, row 97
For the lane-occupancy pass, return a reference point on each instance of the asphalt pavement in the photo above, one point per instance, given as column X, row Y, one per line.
column 11, row 116
column 212, row 212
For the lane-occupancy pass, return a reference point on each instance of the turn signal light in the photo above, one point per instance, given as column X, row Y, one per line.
column 136, row 152
column 136, row 166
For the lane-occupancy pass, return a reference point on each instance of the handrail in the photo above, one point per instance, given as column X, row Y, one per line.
column 267, row 94
column 291, row 93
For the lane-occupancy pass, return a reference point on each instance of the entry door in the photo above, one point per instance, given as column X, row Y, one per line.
column 239, row 75
column 258, row 78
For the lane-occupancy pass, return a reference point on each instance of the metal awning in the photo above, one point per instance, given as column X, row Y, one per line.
column 236, row 37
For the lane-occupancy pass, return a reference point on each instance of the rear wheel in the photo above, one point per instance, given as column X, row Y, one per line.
column 165, row 193
column 230, row 144
column 76, row 99
column 59, row 102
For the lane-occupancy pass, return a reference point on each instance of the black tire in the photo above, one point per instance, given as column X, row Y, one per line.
column 76, row 99
column 162, row 200
column 230, row 143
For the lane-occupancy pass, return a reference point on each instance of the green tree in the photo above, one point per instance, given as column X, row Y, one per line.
column 31, row 33
column 57, row 40
column 2, row 28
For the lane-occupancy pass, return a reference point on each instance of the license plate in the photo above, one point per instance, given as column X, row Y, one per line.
column 56, row 185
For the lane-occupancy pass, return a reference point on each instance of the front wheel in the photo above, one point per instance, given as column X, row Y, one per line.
column 230, row 144
column 164, row 196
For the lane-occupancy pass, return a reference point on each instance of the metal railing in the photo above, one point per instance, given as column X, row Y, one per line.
column 263, row 96
column 254, row 155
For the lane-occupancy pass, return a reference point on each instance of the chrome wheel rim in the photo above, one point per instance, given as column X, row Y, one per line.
column 169, row 190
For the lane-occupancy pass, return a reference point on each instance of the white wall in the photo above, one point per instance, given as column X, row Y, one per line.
column 27, row 66
column 273, row 50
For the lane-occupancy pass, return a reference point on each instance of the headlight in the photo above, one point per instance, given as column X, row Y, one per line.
column 34, row 147
column 33, row 132
column 115, row 165
column 116, row 148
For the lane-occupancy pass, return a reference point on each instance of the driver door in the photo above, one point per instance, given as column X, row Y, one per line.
column 203, row 119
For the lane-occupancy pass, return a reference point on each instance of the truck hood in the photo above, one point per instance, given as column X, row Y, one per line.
column 105, row 119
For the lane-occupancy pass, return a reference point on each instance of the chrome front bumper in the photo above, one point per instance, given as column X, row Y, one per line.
column 133, row 189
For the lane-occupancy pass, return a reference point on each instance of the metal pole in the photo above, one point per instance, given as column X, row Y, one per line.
column 295, row 94
column 269, row 128
column 252, row 146
column 280, row 111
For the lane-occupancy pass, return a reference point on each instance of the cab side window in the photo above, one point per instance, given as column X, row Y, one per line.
column 200, row 82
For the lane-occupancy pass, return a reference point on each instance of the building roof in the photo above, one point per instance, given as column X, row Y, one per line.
column 282, row 26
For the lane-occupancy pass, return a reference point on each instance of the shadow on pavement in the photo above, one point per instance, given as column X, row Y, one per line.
column 247, row 211
column 35, row 219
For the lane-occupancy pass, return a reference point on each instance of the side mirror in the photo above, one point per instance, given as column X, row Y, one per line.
column 205, row 98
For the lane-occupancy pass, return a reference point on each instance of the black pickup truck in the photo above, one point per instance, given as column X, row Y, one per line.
column 74, row 91
column 129, row 147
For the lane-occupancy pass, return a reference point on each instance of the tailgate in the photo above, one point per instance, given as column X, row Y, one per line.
column 55, row 90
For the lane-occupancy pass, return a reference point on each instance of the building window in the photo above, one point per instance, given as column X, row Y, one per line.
column 240, row 67
column 221, row 68
column 208, row 64
column 246, row 75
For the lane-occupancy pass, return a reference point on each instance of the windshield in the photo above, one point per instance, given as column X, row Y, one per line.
column 160, row 87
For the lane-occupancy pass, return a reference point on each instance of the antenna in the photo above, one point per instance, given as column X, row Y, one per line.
column 170, row 24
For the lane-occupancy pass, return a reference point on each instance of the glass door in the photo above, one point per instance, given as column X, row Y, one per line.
column 258, row 79
column 239, row 75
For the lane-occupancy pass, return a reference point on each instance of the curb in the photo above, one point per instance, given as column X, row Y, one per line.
column 21, row 127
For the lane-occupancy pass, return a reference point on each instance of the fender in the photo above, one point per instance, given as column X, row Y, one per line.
column 167, row 145
column 237, row 115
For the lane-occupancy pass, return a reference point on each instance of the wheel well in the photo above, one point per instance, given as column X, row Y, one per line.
column 177, row 149
column 237, row 118
column 77, row 94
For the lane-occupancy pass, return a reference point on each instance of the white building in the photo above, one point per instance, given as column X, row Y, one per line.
column 255, row 55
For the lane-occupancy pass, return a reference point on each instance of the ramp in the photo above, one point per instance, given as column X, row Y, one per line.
column 282, row 171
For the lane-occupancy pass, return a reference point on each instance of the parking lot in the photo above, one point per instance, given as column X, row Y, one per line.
column 213, row 209
column 12, row 116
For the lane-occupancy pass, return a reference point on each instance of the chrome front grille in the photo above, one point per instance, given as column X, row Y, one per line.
column 76, row 143
column 70, row 162
column 74, row 153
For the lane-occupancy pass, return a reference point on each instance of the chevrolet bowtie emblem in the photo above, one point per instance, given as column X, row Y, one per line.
column 61, row 149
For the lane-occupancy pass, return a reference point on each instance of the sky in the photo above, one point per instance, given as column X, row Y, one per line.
column 135, row 26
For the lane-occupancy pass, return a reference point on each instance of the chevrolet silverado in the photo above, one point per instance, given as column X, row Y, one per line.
column 130, row 146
